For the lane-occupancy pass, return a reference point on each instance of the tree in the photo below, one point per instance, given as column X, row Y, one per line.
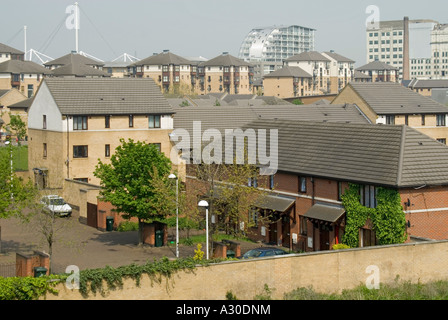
column 134, row 181
column 16, row 126
column 15, row 194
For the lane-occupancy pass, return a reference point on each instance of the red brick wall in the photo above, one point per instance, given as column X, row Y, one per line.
column 426, row 221
column 105, row 209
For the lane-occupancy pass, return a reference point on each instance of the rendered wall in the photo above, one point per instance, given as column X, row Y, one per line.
column 329, row 271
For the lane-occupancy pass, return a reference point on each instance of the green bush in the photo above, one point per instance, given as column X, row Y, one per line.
column 127, row 226
column 340, row 246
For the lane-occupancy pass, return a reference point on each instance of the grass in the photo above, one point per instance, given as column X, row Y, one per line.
column 19, row 156
column 405, row 290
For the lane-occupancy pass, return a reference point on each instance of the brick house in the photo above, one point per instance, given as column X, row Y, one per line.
column 392, row 103
column 318, row 160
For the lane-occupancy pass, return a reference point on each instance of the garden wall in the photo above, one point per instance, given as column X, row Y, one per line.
column 329, row 271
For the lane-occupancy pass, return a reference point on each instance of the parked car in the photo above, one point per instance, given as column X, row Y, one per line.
column 56, row 205
column 263, row 252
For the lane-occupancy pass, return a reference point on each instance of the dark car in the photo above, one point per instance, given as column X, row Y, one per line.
column 263, row 252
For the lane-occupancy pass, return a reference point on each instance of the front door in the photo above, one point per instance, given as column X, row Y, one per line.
column 324, row 236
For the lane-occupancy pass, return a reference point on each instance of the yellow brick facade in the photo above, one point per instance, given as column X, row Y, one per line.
column 59, row 147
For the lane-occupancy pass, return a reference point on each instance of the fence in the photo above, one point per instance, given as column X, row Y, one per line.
column 8, row 269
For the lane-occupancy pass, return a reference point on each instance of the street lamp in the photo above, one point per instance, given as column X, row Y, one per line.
column 173, row 176
column 204, row 204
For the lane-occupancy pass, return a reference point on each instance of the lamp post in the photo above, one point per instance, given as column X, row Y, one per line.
column 204, row 204
column 173, row 176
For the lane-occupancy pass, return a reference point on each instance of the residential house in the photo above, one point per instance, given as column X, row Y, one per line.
column 25, row 76
column 288, row 82
column 169, row 71
column 7, row 99
column 391, row 103
column 425, row 87
column 317, row 162
column 224, row 73
column 341, row 70
column 76, row 65
column 378, row 71
column 9, row 53
column 73, row 122
column 318, row 66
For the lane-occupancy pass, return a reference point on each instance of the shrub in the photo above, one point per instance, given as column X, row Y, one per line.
column 340, row 246
column 127, row 226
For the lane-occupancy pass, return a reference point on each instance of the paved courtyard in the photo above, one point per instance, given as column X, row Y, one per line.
column 86, row 247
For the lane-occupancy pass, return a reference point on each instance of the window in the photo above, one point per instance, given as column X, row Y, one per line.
column 131, row 121
column 80, row 123
column 154, row 121
column 442, row 140
column 86, row 180
column 45, row 150
column 341, row 191
column 368, row 196
column 30, row 90
column 165, row 68
column 44, row 122
column 302, row 184
column 441, row 120
column 271, row 182
column 406, row 120
column 80, row 151
column 390, row 119
column 157, row 145
column 107, row 121
column 303, row 225
column 254, row 218
column 423, row 119
column 252, row 182
column 107, row 151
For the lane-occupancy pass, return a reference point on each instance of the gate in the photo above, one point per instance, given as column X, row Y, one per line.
column 92, row 215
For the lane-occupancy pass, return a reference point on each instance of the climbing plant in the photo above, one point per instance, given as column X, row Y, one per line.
column 388, row 218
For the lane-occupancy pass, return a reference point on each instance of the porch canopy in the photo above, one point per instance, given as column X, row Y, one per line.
column 274, row 203
column 324, row 212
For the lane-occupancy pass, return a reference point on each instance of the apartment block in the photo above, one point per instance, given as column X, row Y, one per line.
column 266, row 48
column 10, row 53
column 225, row 73
column 169, row 71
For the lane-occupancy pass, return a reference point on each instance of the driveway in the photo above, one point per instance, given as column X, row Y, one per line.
column 86, row 247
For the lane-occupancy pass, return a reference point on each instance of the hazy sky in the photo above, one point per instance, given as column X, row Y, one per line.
column 109, row 28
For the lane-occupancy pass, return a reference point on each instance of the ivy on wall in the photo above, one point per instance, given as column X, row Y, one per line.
column 388, row 218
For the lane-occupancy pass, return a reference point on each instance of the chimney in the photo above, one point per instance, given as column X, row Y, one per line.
column 406, row 49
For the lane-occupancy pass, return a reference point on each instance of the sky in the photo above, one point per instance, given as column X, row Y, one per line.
column 109, row 28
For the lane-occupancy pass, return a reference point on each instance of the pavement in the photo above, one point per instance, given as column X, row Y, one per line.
column 86, row 247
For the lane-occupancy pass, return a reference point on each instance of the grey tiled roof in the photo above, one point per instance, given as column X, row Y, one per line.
column 308, row 56
column 338, row 57
column 226, row 60
column 395, row 156
column 232, row 117
column 7, row 49
column 289, row 72
column 393, row 98
column 74, row 58
column 376, row 65
column 164, row 58
column 79, row 70
column 19, row 67
column 97, row 96
column 427, row 84
column 361, row 75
